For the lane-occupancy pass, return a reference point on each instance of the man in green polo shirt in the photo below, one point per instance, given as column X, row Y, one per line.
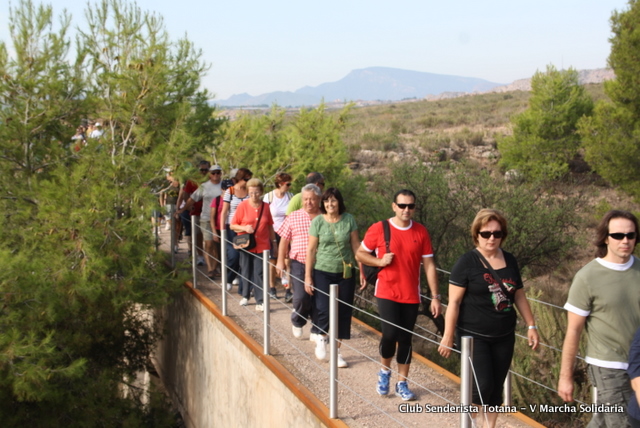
column 605, row 298
column 296, row 201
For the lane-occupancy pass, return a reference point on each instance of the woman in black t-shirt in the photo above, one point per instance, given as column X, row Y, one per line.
column 482, row 307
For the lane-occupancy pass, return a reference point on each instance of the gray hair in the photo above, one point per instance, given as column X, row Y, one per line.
column 312, row 188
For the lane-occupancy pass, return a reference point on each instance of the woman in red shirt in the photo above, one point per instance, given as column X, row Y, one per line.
column 254, row 216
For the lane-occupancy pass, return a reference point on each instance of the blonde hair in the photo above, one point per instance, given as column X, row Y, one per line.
column 254, row 182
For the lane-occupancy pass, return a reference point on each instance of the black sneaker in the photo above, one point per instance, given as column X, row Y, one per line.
column 273, row 293
column 288, row 296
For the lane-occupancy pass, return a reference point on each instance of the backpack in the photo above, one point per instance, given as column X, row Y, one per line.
column 371, row 272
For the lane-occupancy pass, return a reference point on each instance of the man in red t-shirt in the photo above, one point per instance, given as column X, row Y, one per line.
column 398, row 286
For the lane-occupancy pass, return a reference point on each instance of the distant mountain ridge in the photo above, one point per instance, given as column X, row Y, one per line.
column 367, row 84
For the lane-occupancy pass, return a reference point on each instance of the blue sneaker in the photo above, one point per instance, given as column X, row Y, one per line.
column 403, row 391
column 383, row 382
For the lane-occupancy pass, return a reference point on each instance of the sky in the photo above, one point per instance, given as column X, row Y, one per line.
column 282, row 45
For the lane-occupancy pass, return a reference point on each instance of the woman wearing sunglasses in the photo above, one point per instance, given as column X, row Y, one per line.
column 484, row 287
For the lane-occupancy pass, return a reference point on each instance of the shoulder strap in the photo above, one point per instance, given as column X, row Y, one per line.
column 259, row 216
column 495, row 275
column 387, row 234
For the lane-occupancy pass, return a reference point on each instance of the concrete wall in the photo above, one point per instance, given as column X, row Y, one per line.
column 218, row 376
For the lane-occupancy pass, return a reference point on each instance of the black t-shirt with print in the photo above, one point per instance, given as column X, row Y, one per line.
column 485, row 309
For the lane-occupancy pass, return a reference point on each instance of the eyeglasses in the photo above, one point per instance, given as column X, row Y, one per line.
column 403, row 206
column 218, row 172
column 486, row 234
column 620, row 236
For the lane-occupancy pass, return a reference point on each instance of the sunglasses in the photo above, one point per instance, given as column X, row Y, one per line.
column 620, row 236
column 215, row 172
column 403, row 206
column 204, row 169
column 287, row 184
column 486, row 234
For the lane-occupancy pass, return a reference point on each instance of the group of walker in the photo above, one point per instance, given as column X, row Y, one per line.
column 315, row 242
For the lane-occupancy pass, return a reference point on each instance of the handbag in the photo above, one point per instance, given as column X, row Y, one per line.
column 371, row 272
column 247, row 241
column 347, row 268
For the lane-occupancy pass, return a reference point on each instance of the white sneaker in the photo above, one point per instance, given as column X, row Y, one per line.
column 341, row 362
column 167, row 226
column 229, row 286
column 297, row 331
column 236, row 281
column 259, row 308
column 313, row 337
column 244, row 301
column 321, row 347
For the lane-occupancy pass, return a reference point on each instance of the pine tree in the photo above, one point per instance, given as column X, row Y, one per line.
column 612, row 136
column 544, row 138
column 77, row 268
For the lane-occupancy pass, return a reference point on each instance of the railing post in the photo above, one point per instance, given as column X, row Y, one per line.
column 266, row 303
column 223, row 268
column 466, row 380
column 194, row 252
column 333, row 351
column 508, row 399
column 173, row 235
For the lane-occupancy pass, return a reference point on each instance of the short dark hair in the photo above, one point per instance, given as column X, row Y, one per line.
column 314, row 178
column 602, row 231
column 204, row 162
column 244, row 174
column 282, row 177
column 332, row 192
column 404, row 192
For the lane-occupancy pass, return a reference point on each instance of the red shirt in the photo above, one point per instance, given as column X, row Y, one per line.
column 248, row 215
column 400, row 281
column 189, row 188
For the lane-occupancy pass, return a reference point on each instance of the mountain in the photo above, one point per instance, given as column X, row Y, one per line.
column 367, row 84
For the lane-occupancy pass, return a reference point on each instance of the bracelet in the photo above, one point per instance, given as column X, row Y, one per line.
column 437, row 297
column 533, row 327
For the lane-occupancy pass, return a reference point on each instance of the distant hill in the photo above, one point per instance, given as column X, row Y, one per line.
column 367, row 84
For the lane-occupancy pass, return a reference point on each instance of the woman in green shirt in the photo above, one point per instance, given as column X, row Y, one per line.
column 333, row 241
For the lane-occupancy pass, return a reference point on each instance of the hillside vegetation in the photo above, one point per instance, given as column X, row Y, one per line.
column 422, row 143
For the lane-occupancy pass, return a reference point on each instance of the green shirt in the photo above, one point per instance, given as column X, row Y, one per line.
column 295, row 203
column 334, row 242
column 610, row 300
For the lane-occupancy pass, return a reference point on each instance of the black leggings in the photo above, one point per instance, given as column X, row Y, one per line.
column 491, row 361
column 398, row 314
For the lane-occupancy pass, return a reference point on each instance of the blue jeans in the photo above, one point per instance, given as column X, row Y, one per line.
column 252, row 275
column 233, row 257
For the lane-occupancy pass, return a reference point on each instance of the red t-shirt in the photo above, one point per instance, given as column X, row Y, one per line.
column 248, row 215
column 400, row 281
column 189, row 188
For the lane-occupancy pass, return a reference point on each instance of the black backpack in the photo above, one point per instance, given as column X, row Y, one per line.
column 371, row 272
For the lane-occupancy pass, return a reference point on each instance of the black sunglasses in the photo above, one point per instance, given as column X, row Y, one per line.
column 403, row 206
column 215, row 172
column 486, row 234
column 620, row 236
column 204, row 169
